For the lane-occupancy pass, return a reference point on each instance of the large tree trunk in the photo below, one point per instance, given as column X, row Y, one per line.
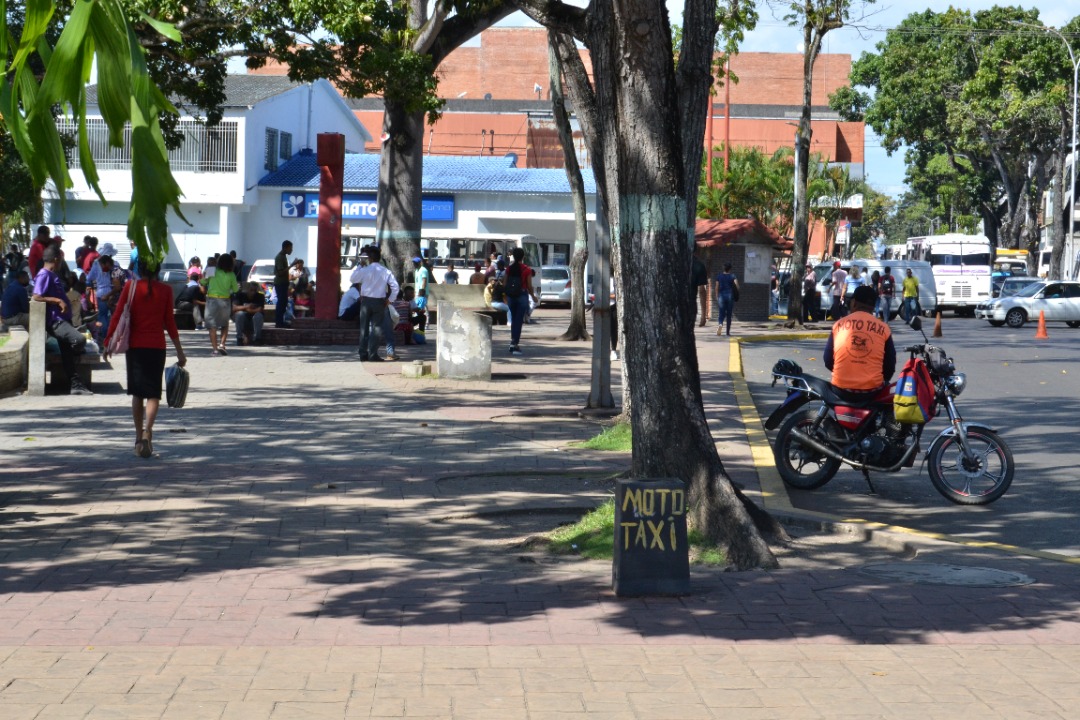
column 397, row 222
column 642, row 110
column 1062, row 211
column 801, row 247
column 576, row 329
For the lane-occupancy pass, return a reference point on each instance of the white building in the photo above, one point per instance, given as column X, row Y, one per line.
column 253, row 181
column 267, row 120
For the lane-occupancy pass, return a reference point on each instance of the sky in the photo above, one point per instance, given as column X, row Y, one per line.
column 884, row 173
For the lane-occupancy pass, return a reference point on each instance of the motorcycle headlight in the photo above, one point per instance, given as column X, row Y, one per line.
column 956, row 383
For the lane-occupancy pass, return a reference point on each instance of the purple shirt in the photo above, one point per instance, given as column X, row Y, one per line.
column 47, row 284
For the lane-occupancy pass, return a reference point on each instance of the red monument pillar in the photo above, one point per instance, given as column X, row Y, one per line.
column 331, row 157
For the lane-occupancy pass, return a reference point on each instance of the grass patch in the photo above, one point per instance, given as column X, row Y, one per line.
column 593, row 538
column 613, row 439
column 590, row 537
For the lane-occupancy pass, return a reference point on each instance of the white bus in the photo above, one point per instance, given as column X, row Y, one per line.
column 962, row 268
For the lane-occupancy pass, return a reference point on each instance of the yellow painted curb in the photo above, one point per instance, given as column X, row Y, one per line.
column 774, row 493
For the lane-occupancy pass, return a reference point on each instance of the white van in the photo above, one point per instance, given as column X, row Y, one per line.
column 920, row 269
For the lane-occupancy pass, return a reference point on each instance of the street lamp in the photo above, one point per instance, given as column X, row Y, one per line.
column 1071, row 241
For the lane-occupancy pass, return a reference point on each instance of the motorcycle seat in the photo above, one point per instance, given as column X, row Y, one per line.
column 833, row 395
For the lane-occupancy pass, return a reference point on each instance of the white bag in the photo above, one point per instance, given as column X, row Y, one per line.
column 395, row 316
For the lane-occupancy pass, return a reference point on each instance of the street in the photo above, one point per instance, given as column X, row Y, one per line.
column 1025, row 389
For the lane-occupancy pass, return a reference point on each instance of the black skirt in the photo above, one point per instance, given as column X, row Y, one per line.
column 145, row 368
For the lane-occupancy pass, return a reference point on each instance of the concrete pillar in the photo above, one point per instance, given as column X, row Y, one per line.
column 35, row 376
column 463, row 344
column 331, row 157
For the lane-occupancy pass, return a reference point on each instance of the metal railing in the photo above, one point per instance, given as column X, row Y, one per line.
column 203, row 149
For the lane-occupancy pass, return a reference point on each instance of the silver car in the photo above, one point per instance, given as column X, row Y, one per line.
column 1059, row 301
column 555, row 284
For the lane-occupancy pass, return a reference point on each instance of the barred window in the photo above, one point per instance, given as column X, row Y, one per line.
column 285, row 146
column 203, row 149
column 270, row 157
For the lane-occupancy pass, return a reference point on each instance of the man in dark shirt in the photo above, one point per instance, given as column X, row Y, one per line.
column 699, row 289
column 247, row 309
column 15, row 306
column 281, row 283
column 193, row 299
column 48, row 289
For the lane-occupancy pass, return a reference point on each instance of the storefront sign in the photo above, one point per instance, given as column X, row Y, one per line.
column 361, row 206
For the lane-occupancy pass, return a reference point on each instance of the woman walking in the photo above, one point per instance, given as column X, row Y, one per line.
column 727, row 292
column 151, row 317
column 220, row 288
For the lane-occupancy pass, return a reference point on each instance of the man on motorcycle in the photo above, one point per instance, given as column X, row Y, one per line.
column 860, row 351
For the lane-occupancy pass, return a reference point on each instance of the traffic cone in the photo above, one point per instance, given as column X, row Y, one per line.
column 937, row 325
column 1041, row 333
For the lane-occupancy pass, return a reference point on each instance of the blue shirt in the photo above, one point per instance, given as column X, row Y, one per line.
column 101, row 280
column 16, row 300
column 725, row 284
column 47, row 284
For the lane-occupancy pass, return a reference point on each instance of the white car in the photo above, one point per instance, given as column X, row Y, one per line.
column 555, row 284
column 1058, row 300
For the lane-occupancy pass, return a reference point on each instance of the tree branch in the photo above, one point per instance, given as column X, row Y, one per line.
column 460, row 28
column 557, row 16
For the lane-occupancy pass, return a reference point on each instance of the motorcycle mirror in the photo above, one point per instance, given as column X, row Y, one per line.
column 915, row 322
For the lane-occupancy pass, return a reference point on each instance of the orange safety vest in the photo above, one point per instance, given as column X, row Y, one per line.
column 859, row 351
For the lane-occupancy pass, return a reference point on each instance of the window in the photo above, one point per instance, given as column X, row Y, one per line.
column 270, row 157
column 285, row 146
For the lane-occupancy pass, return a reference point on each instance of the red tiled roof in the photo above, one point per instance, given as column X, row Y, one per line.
column 717, row 233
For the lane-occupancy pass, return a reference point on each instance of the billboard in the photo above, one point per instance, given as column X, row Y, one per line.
column 361, row 206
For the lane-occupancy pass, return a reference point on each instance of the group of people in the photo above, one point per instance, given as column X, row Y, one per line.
column 220, row 293
column 96, row 298
column 843, row 284
column 382, row 306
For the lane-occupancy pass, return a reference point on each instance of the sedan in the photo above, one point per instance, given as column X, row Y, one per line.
column 1058, row 301
column 555, row 284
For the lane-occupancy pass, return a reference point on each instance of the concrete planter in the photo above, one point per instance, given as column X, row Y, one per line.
column 14, row 361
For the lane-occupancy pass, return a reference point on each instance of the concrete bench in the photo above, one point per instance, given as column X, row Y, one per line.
column 463, row 297
column 44, row 366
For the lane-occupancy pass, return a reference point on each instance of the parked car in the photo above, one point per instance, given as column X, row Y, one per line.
column 1008, row 286
column 1058, row 300
column 262, row 272
column 175, row 275
column 555, row 284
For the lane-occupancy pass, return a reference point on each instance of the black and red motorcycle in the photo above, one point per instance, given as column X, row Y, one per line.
column 968, row 462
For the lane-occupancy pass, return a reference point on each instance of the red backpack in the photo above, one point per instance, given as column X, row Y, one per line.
column 914, row 399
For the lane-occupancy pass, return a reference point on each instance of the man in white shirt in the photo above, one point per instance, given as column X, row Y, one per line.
column 377, row 287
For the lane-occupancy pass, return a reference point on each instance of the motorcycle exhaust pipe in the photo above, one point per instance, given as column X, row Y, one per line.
column 832, row 453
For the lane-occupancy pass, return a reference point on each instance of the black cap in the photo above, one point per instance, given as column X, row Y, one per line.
column 864, row 295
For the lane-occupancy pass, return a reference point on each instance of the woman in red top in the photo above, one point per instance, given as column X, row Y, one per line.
column 151, row 317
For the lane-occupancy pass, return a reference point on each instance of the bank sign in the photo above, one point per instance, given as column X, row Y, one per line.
column 361, row 206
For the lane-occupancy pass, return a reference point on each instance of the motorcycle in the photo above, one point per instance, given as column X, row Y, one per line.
column 968, row 462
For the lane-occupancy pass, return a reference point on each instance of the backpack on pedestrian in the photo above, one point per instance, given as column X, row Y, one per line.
column 514, row 284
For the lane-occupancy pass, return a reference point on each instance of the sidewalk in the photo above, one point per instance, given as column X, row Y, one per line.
column 316, row 537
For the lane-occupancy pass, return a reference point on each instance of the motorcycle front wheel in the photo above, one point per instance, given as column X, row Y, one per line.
column 800, row 466
column 978, row 480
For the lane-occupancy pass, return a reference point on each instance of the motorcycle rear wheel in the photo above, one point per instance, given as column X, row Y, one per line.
column 971, row 483
column 800, row 466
